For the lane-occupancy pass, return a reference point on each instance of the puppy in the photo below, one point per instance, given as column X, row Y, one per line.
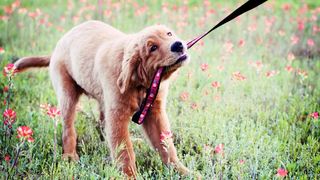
column 114, row 68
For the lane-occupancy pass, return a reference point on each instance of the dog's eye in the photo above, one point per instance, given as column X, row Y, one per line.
column 169, row 34
column 153, row 48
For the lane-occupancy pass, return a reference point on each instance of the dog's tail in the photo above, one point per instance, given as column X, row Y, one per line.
column 30, row 62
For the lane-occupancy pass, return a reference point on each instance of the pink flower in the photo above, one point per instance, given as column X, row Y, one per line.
column 289, row 68
column 282, row 172
column 314, row 115
column 310, row 42
column 9, row 70
column 204, row 66
column 25, row 132
column 219, row 149
column 241, row 43
column 9, row 114
column 294, row 40
column 184, row 96
column 238, row 76
column 2, row 51
column 7, row 157
column 291, row 57
column 242, row 161
column 215, row 84
column 53, row 112
column 271, row 73
column 228, row 47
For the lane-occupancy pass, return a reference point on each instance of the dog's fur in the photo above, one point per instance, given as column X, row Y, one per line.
column 115, row 69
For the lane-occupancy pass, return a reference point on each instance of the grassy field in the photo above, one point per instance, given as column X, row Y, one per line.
column 244, row 108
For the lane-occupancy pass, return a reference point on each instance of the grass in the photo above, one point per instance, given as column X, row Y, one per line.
column 263, row 122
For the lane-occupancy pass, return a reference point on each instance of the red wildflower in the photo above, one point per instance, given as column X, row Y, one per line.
column 238, row 76
column 7, row 157
column 215, row 84
column 9, row 114
column 184, row 96
column 294, row 40
column 242, row 161
column 9, row 70
column 25, row 132
column 204, row 66
column 194, row 106
column 53, row 112
column 314, row 115
column 271, row 73
column 282, row 172
column 219, row 149
column 241, row 43
column 310, row 42
column 2, row 51
column 289, row 68
column 5, row 89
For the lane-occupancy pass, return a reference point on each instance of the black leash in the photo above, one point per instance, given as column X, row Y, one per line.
column 242, row 9
column 152, row 92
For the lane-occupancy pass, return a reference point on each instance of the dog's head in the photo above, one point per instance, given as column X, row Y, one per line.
column 154, row 47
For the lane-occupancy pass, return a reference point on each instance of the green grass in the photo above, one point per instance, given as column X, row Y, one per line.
column 264, row 121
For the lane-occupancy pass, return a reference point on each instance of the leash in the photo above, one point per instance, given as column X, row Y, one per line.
column 152, row 91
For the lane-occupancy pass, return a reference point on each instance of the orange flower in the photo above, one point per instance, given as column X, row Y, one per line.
column 9, row 70
column 25, row 132
column 238, row 76
column 215, row 84
column 53, row 112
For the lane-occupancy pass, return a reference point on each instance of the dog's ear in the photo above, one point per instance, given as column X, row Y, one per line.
column 130, row 63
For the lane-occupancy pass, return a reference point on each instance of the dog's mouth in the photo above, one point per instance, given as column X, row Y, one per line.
column 179, row 61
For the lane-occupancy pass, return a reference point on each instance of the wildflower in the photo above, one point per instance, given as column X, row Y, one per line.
column 5, row 89
column 184, row 96
column 25, row 132
column 9, row 70
column 228, row 47
column 9, row 113
column 314, row 115
column 282, row 172
column 271, row 73
column 7, row 157
column 289, row 68
column 302, row 73
column 53, row 112
column 242, row 161
column 215, row 84
column 45, row 107
column 241, row 43
column 219, row 149
column 294, row 40
column 238, row 76
column 2, row 51
column 291, row 57
column 204, row 66
column 310, row 42
column 194, row 106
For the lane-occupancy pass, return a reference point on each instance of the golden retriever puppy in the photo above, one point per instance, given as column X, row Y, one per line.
column 115, row 69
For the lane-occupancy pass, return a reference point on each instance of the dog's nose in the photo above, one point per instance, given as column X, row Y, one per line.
column 177, row 46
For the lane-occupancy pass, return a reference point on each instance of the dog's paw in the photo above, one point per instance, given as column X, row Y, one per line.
column 71, row 156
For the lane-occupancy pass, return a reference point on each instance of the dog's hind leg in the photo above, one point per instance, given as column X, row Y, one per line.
column 68, row 93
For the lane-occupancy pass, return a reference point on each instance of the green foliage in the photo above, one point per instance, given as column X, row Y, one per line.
column 264, row 121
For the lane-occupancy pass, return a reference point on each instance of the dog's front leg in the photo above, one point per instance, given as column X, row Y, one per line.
column 157, row 128
column 117, row 131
